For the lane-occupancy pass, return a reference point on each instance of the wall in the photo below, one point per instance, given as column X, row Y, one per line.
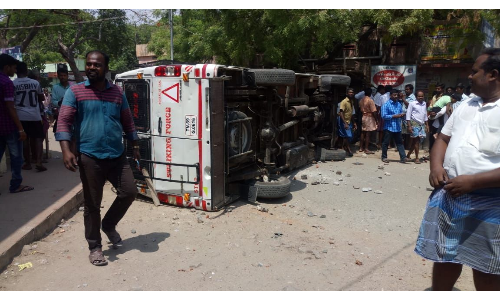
column 428, row 76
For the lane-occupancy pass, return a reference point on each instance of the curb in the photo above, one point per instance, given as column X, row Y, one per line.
column 62, row 209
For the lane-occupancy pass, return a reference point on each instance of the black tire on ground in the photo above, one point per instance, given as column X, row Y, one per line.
column 272, row 77
column 234, row 133
column 273, row 189
column 328, row 155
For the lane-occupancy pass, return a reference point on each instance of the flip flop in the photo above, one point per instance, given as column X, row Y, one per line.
column 417, row 161
column 40, row 168
column 369, row 152
column 96, row 257
column 23, row 188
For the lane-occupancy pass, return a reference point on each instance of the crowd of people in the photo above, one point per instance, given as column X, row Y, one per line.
column 402, row 119
column 461, row 223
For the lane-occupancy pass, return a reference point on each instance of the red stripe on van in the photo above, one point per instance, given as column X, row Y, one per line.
column 200, row 135
column 204, row 204
column 204, row 71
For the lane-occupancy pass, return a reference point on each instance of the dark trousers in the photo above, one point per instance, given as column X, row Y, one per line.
column 94, row 173
column 398, row 138
column 432, row 130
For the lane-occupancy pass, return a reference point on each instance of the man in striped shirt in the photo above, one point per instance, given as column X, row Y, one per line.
column 99, row 112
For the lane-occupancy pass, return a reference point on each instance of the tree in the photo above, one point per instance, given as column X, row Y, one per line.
column 281, row 38
column 71, row 33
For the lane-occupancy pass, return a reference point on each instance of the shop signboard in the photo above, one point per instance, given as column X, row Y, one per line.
column 446, row 42
column 396, row 76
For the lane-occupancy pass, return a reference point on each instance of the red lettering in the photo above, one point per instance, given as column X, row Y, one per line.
column 168, row 120
column 168, row 156
column 159, row 91
column 196, row 186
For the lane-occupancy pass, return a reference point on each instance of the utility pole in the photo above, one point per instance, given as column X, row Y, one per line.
column 171, row 37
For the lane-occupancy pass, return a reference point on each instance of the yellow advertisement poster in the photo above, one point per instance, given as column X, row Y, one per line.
column 446, row 41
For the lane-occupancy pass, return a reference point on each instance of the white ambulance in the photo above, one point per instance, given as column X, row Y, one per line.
column 212, row 134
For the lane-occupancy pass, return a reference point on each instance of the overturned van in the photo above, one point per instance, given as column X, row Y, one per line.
column 212, row 134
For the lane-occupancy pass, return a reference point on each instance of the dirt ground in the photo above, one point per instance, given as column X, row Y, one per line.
column 327, row 236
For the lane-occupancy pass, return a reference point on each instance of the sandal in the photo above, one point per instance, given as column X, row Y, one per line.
column 369, row 152
column 114, row 237
column 23, row 188
column 385, row 160
column 417, row 161
column 97, row 258
column 40, row 168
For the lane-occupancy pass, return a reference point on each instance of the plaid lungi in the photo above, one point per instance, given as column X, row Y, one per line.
column 464, row 230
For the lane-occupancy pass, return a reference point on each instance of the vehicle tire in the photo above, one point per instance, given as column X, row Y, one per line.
column 318, row 98
column 272, row 77
column 329, row 155
column 273, row 189
column 328, row 80
column 235, row 134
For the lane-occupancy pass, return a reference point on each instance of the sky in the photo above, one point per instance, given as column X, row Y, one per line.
column 138, row 15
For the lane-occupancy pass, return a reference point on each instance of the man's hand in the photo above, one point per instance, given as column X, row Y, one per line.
column 438, row 177
column 355, row 127
column 410, row 129
column 346, row 126
column 426, row 129
column 22, row 136
column 460, row 185
column 137, row 157
column 70, row 161
column 69, row 158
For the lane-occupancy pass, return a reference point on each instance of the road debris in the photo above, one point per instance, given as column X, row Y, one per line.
column 378, row 192
column 262, row 209
column 25, row 266
column 359, row 263
column 366, row 189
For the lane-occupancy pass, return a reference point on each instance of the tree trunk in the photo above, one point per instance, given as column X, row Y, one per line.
column 67, row 54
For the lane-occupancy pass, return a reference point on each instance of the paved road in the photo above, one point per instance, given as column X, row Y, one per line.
column 321, row 237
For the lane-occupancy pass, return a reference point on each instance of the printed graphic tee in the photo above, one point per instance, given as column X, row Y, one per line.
column 26, row 99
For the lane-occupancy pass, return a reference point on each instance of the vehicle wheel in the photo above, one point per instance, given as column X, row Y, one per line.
column 239, row 131
column 273, row 189
column 328, row 155
column 328, row 80
column 272, row 77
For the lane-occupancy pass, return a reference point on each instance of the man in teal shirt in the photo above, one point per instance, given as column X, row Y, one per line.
column 58, row 92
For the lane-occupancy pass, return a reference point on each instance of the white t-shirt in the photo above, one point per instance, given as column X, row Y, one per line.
column 386, row 97
column 474, row 146
column 378, row 99
column 26, row 99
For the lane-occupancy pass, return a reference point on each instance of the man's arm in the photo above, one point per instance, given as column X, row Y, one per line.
column 13, row 115
column 129, row 128
column 438, row 176
column 64, row 127
column 359, row 95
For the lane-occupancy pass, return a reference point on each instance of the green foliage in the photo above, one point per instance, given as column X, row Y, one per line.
column 247, row 37
column 277, row 38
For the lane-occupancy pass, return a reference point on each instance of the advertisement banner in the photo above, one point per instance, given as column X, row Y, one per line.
column 14, row 52
column 396, row 76
column 446, row 41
